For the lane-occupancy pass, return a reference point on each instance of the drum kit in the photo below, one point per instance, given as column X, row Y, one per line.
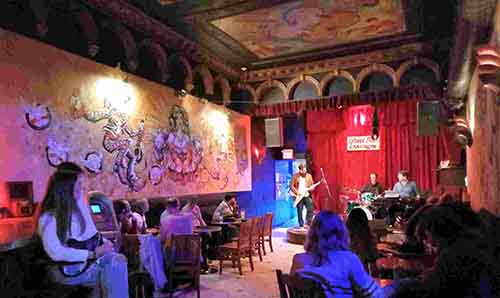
column 374, row 206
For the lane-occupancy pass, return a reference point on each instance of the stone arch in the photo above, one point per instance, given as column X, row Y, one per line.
column 295, row 81
column 407, row 65
column 250, row 89
column 208, row 80
column 269, row 84
column 159, row 58
column 226, row 88
column 376, row 68
column 336, row 73
column 127, row 42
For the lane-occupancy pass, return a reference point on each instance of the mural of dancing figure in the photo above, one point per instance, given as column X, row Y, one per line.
column 123, row 141
column 179, row 152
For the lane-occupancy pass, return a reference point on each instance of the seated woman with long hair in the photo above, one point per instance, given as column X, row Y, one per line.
column 328, row 255
column 70, row 238
column 363, row 241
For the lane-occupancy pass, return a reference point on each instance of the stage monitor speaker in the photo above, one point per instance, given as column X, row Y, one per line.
column 428, row 118
column 274, row 132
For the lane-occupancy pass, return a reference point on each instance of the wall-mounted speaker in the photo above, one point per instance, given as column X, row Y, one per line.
column 428, row 114
column 274, row 132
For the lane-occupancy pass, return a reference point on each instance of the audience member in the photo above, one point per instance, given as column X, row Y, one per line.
column 174, row 222
column 363, row 242
column 464, row 266
column 69, row 234
column 128, row 224
column 226, row 209
column 193, row 208
column 328, row 254
column 139, row 208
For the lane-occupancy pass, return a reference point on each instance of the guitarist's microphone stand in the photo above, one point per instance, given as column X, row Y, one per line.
column 326, row 182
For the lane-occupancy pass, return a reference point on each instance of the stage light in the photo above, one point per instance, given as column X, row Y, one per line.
column 116, row 94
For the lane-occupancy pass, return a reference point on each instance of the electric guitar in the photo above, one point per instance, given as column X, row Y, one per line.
column 298, row 197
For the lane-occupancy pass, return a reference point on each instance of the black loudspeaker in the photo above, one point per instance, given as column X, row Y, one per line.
column 428, row 118
column 274, row 132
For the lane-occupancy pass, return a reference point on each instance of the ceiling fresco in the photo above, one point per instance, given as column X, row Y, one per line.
column 306, row 25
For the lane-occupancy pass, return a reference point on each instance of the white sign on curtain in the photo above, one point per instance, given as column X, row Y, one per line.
column 362, row 143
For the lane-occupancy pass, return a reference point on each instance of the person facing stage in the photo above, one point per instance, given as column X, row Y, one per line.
column 300, row 186
column 373, row 186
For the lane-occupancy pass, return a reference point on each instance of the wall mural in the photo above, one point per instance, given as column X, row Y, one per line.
column 312, row 24
column 132, row 137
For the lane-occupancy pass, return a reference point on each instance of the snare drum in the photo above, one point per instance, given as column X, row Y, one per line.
column 366, row 210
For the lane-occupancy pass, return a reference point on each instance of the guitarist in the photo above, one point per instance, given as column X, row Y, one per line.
column 301, row 186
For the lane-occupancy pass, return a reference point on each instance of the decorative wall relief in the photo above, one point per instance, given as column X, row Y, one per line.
column 58, row 107
column 177, row 150
column 38, row 116
column 93, row 162
column 56, row 153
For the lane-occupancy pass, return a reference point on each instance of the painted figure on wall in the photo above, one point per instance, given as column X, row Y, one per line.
column 38, row 116
column 56, row 152
column 119, row 139
column 93, row 162
column 179, row 152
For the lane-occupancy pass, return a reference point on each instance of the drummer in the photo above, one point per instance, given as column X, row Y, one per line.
column 373, row 186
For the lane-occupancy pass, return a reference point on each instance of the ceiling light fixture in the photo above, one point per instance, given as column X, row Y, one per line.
column 244, row 68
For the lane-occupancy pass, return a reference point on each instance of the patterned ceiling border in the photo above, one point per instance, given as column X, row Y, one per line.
column 380, row 56
column 133, row 17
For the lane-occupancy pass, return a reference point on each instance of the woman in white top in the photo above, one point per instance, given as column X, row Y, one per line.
column 328, row 255
column 70, row 238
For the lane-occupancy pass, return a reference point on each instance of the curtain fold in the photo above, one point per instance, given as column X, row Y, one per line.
column 400, row 149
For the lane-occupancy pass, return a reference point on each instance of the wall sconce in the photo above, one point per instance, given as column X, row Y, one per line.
column 181, row 93
column 259, row 155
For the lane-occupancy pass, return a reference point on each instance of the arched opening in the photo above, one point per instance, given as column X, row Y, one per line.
column 65, row 33
column 177, row 73
column 148, row 67
column 218, row 96
column 304, row 90
column 338, row 86
column 418, row 75
column 199, row 87
column 241, row 100
column 376, row 81
column 272, row 95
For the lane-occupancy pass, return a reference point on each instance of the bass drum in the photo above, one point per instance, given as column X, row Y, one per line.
column 367, row 211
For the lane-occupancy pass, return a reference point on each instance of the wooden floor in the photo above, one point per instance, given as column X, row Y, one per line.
column 259, row 284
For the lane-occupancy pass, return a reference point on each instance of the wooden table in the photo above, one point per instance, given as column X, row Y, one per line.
column 207, row 229
column 153, row 231
column 227, row 223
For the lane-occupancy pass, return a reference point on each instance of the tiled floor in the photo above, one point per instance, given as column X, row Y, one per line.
column 259, row 284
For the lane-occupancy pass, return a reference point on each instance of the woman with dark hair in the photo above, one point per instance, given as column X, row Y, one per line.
column 464, row 265
column 328, row 255
column 70, row 238
column 128, row 224
column 362, row 239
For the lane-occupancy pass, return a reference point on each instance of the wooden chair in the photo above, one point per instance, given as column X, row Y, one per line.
column 258, row 235
column 140, row 283
column 267, row 232
column 294, row 286
column 184, row 263
column 239, row 248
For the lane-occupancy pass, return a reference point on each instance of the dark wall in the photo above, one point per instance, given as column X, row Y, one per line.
column 262, row 197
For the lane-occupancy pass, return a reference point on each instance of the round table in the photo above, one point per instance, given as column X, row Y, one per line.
column 227, row 223
column 207, row 229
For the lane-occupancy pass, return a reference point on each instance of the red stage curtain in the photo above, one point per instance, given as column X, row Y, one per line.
column 400, row 148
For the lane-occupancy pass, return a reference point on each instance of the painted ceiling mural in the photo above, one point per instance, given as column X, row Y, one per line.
column 132, row 137
column 312, row 24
